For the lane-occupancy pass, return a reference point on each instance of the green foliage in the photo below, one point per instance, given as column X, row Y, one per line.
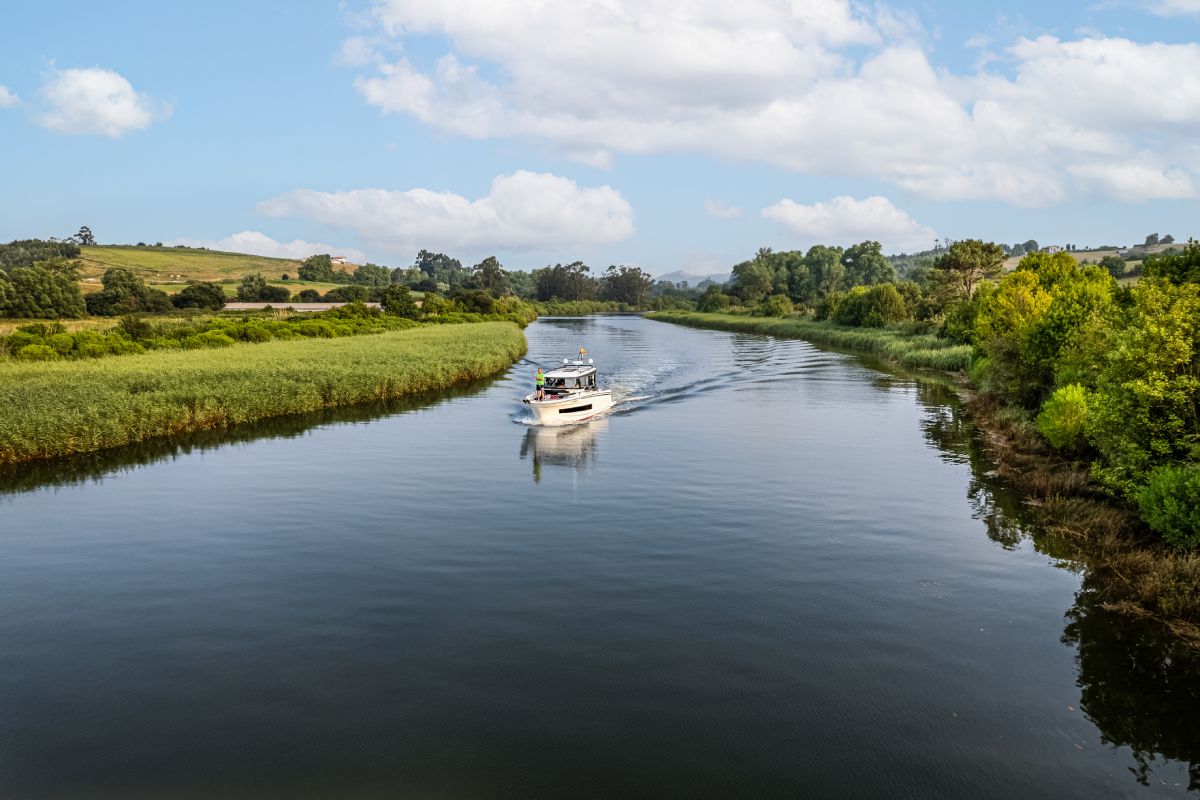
column 866, row 265
column 489, row 276
column 1148, row 385
column 475, row 301
column 1170, row 504
column 777, row 305
column 67, row 407
column 713, row 299
column 570, row 282
column 372, row 275
column 37, row 352
column 1178, row 268
column 966, row 264
column 319, row 268
column 1064, row 417
column 629, row 285
column 398, row 301
column 47, row 290
column 867, row 307
column 347, row 294
column 125, row 293
column 27, row 252
column 208, row 296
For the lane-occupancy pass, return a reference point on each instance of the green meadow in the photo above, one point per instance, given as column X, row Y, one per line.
column 63, row 408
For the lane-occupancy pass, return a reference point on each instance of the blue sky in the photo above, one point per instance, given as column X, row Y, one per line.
column 672, row 135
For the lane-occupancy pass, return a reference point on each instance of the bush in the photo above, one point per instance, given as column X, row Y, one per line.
column 37, row 352
column 398, row 300
column 200, row 295
column 308, row 296
column 777, row 305
column 1064, row 416
column 1170, row 504
column 135, row 328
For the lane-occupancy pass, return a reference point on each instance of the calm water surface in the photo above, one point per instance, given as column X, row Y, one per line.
column 775, row 571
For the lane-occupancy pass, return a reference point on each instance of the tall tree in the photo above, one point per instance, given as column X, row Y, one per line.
column 489, row 275
column 866, row 265
column 626, row 285
column 84, row 236
column 967, row 263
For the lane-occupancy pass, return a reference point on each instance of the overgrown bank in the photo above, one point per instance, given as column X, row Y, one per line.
column 1138, row 574
column 67, row 407
column 912, row 349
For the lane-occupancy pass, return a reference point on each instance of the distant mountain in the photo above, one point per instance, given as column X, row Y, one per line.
column 693, row 278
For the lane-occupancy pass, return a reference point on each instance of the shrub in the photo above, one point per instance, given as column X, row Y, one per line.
column 37, row 352
column 308, row 296
column 135, row 328
column 1064, row 416
column 777, row 305
column 200, row 295
column 61, row 342
column 1170, row 504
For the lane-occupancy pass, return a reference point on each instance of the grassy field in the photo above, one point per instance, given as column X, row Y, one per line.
column 68, row 407
column 167, row 265
column 924, row 351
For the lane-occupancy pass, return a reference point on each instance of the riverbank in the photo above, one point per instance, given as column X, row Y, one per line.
column 918, row 350
column 64, row 408
column 1136, row 574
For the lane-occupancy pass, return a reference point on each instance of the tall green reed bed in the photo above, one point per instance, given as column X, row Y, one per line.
column 67, row 407
column 920, row 350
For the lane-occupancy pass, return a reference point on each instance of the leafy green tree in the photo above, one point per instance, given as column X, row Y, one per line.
column 1031, row 246
column 1147, row 386
column 27, row 252
column 1170, row 504
column 489, row 275
column 752, row 280
column 372, row 275
column 1178, row 268
column 625, row 285
column 777, row 305
column 397, row 300
column 208, row 296
column 84, row 236
column 308, row 296
column 477, row 301
column 1114, row 264
column 570, row 282
column 317, row 268
column 125, row 293
column 866, row 265
column 252, row 287
column 827, row 273
column 713, row 300
column 347, row 294
column 966, row 264
column 46, row 290
column 1151, row 240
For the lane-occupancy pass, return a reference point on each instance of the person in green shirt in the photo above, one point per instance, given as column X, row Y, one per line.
column 540, row 380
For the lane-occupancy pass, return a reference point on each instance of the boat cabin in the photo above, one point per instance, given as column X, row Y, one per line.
column 570, row 378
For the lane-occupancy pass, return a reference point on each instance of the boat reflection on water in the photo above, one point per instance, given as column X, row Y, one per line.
column 573, row 446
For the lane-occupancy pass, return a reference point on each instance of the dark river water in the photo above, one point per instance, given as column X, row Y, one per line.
column 774, row 571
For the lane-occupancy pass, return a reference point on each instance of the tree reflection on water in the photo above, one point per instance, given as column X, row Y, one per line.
column 1139, row 686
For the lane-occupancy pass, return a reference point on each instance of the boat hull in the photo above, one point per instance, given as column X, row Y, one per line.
column 566, row 410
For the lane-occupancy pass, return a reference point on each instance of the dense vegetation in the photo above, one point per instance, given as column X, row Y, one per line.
column 81, row 406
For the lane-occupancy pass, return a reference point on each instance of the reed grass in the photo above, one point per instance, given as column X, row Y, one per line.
column 68, row 407
column 920, row 350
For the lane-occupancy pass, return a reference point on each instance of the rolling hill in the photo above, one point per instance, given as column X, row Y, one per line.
column 172, row 267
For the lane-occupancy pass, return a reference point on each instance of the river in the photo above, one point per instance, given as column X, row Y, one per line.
column 774, row 571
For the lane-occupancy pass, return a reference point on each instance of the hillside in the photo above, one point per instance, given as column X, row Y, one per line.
column 170, row 268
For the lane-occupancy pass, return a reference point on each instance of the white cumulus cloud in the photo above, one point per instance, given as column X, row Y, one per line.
column 845, row 221
column 524, row 210
column 820, row 86
column 96, row 101
column 259, row 244
column 7, row 97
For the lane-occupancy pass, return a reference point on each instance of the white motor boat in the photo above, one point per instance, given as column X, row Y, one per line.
column 571, row 394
